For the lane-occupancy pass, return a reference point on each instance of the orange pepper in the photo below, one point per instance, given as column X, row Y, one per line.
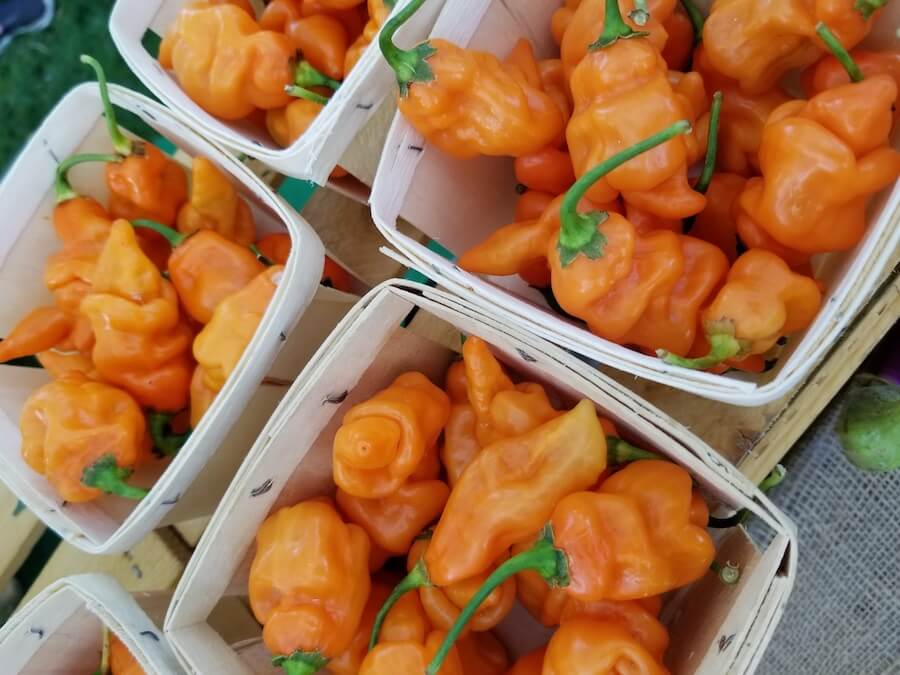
column 828, row 72
column 443, row 604
column 40, row 330
column 622, row 94
column 322, row 39
column 85, row 437
column 587, row 646
column 530, row 664
column 761, row 300
column 821, row 160
column 670, row 320
column 142, row 343
column 392, row 522
column 455, row 383
column 555, row 83
column 383, row 440
column 275, row 247
column 716, row 223
column 122, row 661
column 220, row 345
column 588, row 22
column 336, row 5
column 469, row 103
column 549, row 170
column 531, row 204
column 226, row 62
column 460, row 442
column 205, row 268
column 409, row 658
column 308, row 585
column 335, row 276
column 287, row 124
column 216, row 205
column 378, row 14
column 482, row 654
column 59, row 364
column 757, row 42
column 680, row 45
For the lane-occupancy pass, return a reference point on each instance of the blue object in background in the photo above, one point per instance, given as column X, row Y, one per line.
column 23, row 16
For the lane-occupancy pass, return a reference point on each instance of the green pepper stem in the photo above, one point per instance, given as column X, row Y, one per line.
column 840, row 53
column 417, row 578
column 300, row 92
column 729, row 573
column 122, row 144
column 409, row 65
column 721, row 347
column 712, row 145
column 868, row 7
column 301, row 663
column 165, row 442
column 697, row 20
column 578, row 232
column 106, row 475
column 62, row 188
column 307, row 76
column 174, row 237
column 614, row 28
column 774, row 479
column 619, row 451
column 259, row 256
column 543, row 558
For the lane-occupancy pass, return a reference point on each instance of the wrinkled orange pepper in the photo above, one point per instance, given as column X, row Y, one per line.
column 460, row 442
column 41, row 329
column 287, row 124
column 409, row 658
column 220, row 345
column 549, row 170
column 85, row 437
column 309, row 582
column 141, row 342
column 761, row 301
column 828, row 72
column 530, row 664
column 716, row 223
column 122, row 661
column 469, row 103
column 393, row 522
column 59, row 364
column 205, row 268
column 383, row 440
column 622, row 94
column 588, row 646
column 378, row 14
column 757, row 42
column 216, row 205
column 821, row 160
column 482, row 654
column 322, row 39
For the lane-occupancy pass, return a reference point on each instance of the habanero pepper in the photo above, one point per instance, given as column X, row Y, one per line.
column 142, row 342
column 59, row 364
column 756, row 43
column 410, row 658
column 383, row 440
column 548, row 170
column 716, row 223
column 829, row 72
column 85, row 437
column 588, row 646
column 321, row 39
column 276, row 248
column 680, row 43
column 121, row 660
column 622, row 94
column 218, row 348
column 287, row 124
column 379, row 10
column 761, row 301
column 308, row 585
column 633, row 538
column 466, row 102
column 460, row 443
column 40, row 330
column 216, row 205
column 482, row 654
column 206, row 267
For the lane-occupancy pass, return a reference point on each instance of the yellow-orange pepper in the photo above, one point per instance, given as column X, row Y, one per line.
column 383, row 440
column 220, row 345
column 41, row 329
column 287, row 124
column 85, row 437
column 216, row 205
column 122, row 661
column 587, row 646
column 322, row 39
column 828, row 73
column 409, row 658
column 482, row 654
column 716, row 223
column 141, row 342
column 378, row 14
column 309, row 582
column 467, row 102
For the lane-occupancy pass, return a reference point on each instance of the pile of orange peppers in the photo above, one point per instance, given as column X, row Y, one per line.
column 485, row 493
column 281, row 67
column 672, row 191
column 154, row 299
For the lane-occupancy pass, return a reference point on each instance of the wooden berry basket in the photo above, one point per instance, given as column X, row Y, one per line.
column 329, row 139
column 477, row 196
column 714, row 628
column 218, row 444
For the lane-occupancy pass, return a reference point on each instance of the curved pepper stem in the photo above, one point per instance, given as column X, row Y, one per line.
column 254, row 249
column 721, row 348
column 619, row 451
column 174, row 237
column 106, row 475
column 409, row 65
column 165, row 442
column 728, row 574
column 712, row 145
column 61, row 187
column 301, row 663
column 868, row 7
column 840, row 52
column 122, row 144
column 774, row 479
column 307, row 76
column 696, row 18
column 417, row 578
column 578, row 233
column 615, row 28
column 300, row 92
column 543, row 558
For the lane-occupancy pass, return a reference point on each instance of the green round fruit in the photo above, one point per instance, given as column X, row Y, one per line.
column 869, row 427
